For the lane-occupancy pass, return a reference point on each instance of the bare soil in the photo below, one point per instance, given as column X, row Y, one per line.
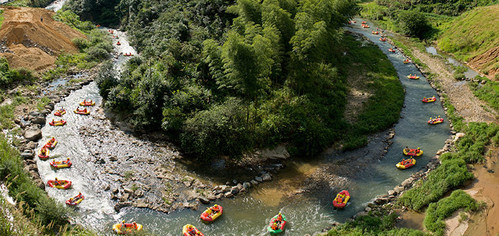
column 30, row 38
column 486, row 188
column 460, row 95
column 486, row 61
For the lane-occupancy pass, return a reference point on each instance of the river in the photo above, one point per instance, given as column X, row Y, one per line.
column 303, row 191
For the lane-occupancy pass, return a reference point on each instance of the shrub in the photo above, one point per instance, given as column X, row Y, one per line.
column 413, row 23
column 437, row 212
column 96, row 54
column 106, row 79
column 80, row 43
column 451, row 174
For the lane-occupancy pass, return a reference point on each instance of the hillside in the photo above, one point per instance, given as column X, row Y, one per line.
column 27, row 41
column 474, row 37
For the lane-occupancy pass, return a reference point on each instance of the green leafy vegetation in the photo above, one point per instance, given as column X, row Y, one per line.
column 33, row 201
column 451, row 174
column 380, row 80
column 375, row 223
column 10, row 77
column 271, row 77
column 488, row 92
column 471, row 34
column 437, row 212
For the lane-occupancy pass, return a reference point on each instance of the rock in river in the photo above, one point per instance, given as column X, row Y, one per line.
column 33, row 134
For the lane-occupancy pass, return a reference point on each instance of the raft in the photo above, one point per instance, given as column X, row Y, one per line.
column 81, row 112
column 75, row 200
column 412, row 152
column 391, row 50
column 341, row 199
column 185, row 231
column 208, row 216
column 87, row 103
column 64, row 184
column 435, row 121
column 406, row 61
column 364, row 22
column 44, row 156
column 406, row 164
column 51, row 143
column 129, row 228
column 365, row 26
column 281, row 225
column 428, row 100
column 382, row 39
column 61, row 164
column 60, row 112
column 127, row 54
column 57, row 123
column 375, row 32
column 118, row 43
column 413, row 77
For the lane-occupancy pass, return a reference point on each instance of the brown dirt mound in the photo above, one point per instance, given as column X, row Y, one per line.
column 487, row 61
column 30, row 38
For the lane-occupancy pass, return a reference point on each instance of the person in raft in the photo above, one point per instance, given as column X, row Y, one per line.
column 57, row 182
column 406, row 149
column 418, row 150
column 215, row 209
column 67, row 161
column 192, row 231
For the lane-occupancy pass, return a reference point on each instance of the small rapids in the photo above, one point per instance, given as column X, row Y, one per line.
column 302, row 191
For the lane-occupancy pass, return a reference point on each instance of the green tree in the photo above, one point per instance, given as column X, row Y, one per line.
column 413, row 23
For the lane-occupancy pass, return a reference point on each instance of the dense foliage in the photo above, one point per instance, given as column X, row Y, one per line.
column 488, row 92
column 440, row 7
column 269, row 78
column 48, row 212
column 9, row 77
column 375, row 223
column 437, row 212
column 99, row 11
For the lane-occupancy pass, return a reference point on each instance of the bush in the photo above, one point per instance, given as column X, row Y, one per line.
column 47, row 211
column 451, row 174
column 96, row 54
column 437, row 212
column 413, row 23
column 80, row 43
column 106, row 79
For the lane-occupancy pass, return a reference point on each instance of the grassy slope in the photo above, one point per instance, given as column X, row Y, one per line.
column 378, row 77
column 472, row 34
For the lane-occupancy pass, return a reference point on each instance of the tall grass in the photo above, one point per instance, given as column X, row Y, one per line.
column 379, row 78
column 41, row 208
column 488, row 92
column 437, row 212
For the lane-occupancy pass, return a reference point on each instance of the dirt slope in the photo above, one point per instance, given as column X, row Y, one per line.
column 30, row 38
column 488, row 61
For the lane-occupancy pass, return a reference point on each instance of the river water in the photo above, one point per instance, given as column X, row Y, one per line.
column 303, row 191
column 469, row 74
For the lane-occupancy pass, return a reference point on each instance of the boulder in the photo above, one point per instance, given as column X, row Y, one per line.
column 398, row 189
column 33, row 134
column 228, row 194
column 27, row 155
column 458, row 136
column 204, row 200
column 234, row 190
column 266, row 177
column 259, row 179
column 381, row 200
column 246, row 185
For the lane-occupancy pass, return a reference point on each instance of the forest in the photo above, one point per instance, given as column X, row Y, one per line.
column 224, row 77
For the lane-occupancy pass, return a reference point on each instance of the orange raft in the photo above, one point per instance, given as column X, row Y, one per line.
column 61, row 164
column 382, row 39
column 406, row 164
column 57, row 122
column 127, row 228
column 428, row 100
column 44, row 153
column 60, row 112
column 365, row 26
column 118, row 43
column 127, row 54
column 341, row 199
column 51, row 143
column 375, row 32
column 87, row 103
column 391, row 50
column 435, row 121
column 406, row 61
column 190, row 230
column 83, row 111
column 212, row 213
column 60, row 184
column 410, row 76
column 75, row 200
column 413, row 152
